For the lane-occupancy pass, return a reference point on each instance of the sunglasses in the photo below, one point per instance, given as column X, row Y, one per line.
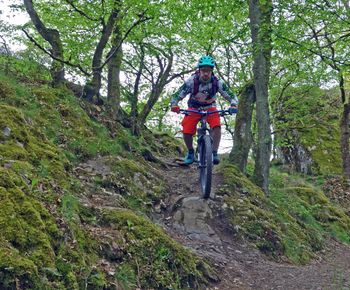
column 205, row 70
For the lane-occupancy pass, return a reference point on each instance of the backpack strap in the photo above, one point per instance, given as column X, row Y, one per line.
column 196, row 83
column 214, row 86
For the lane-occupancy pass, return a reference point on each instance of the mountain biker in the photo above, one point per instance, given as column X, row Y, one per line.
column 202, row 87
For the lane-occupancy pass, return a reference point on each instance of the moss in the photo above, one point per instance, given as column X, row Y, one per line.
column 164, row 143
column 313, row 114
column 293, row 221
column 41, row 218
column 158, row 261
column 16, row 270
column 127, row 167
column 22, row 226
column 322, row 143
column 235, row 180
column 6, row 91
column 12, row 119
column 309, row 195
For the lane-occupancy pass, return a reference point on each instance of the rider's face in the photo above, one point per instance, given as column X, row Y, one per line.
column 205, row 72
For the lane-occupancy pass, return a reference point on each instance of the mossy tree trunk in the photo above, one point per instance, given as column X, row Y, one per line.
column 260, row 13
column 53, row 37
column 114, row 68
column 243, row 137
column 344, row 129
column 133, row 97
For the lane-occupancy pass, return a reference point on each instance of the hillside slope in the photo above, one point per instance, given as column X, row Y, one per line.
column 82, row 208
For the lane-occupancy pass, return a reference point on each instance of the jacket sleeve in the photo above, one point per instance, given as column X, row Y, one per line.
column 182, row 92
column 225, row 91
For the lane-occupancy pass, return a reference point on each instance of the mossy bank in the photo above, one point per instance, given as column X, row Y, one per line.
column 51, row 238
column 292, row 223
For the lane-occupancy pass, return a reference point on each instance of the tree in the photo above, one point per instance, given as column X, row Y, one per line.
column 243, row 138
column 260, row 13
column 53, row 37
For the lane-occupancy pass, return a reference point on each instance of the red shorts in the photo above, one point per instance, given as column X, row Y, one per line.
column 189, row 123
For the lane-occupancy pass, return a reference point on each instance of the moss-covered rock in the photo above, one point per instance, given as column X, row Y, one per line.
column 157, row 261
column 307, row 136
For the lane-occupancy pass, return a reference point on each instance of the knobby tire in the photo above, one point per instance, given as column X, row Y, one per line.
column 206, row 166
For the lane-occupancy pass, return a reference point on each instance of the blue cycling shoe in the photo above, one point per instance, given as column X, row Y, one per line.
column 189, row 159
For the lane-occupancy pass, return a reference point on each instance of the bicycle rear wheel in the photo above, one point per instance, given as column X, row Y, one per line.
column 205, row 165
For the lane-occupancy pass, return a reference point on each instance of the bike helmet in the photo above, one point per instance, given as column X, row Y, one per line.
column 206, row 61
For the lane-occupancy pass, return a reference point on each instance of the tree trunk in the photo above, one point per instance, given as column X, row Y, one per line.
column 114, row 67
column 92, row 88
column 243, row 138
column 344, row 129
column 157, row 90
column 134, row 113
column 53, row 37
column 260, row 25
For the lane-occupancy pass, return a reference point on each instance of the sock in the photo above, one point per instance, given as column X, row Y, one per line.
column 191, row 151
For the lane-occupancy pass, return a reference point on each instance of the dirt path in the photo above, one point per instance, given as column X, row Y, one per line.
column 200, row 226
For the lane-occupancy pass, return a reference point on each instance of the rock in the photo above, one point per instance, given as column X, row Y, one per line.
column 6, row 132
column 191, row 217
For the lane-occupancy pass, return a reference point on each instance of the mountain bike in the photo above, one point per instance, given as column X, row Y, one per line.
column 204, row 150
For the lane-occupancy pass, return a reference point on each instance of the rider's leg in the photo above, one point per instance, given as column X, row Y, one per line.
column 189, row 124
column 189, row 159
column 216, row 135
column 188, row 138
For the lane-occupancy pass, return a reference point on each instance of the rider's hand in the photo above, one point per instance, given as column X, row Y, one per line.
column 232, row 110
column 175, row 109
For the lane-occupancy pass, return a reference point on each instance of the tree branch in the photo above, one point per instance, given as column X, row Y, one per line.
column 113, row 51
column 82, row 13
column 5, row 45
column 54, row 57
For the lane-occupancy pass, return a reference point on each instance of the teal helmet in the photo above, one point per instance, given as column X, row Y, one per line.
column 206, row 61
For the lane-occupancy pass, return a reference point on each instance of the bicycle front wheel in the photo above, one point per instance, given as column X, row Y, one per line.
column 205, row 165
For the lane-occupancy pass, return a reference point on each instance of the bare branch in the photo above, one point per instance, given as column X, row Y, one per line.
column 82, row 13
column 179, row 75
column 5, row 45
column 325, row 58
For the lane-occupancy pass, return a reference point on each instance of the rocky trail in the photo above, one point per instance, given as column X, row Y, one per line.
column 200, row 225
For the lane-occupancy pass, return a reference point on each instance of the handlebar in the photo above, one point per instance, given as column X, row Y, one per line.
column 205, row 113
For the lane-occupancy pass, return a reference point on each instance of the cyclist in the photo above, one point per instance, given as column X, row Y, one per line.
column 202, row 87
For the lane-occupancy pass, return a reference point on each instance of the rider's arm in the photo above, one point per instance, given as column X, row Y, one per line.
column 182, row 92
column 225, row 91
